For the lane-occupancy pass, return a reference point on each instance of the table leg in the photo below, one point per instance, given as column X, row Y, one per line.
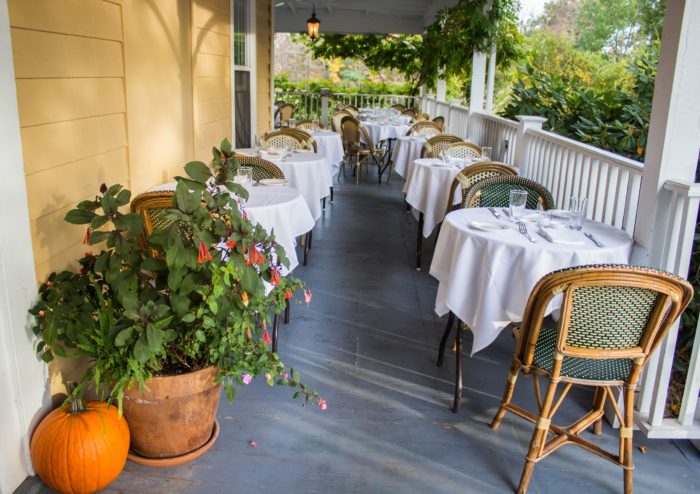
column 287, row 311
column 331, row 194
column 275, row 332
column 323, row 203
column 306, row 249
column 419, row 241
column 445, row 336
column 458, row 369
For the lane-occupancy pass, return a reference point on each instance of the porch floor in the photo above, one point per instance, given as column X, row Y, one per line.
column 368, row 343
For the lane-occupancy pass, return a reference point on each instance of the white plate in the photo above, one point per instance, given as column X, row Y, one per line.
column 273, row 181
column 489, row 226
column 441, row 165
column 559, row 213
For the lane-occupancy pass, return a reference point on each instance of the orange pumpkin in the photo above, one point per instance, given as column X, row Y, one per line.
column 80, row 448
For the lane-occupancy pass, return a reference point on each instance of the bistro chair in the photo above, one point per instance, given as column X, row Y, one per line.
column 285, row 113
column 262, row 169
column 409, row 113
column 463, row 150
column 305, row 139
column 353, row 134
column 296, row 138
column 339, row 115
column 423, row 128
column 308, row 124
column 152, row 207
column 473, row 174
column 398, row 107
column 352, row 110
column 612, row 319
column 422, row 117
column 495, row 192
column 440, row 122
column 434, row 146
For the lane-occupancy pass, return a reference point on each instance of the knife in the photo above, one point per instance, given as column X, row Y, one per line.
column 595, row 240
column 495, row 213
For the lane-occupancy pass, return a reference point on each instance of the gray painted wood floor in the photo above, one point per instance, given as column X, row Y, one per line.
column 368, row 343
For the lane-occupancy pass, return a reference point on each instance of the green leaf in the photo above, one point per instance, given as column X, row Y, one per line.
column 123, row 336
column 180, row 304
column 79, row 217
column 230, row 392
column 141, row 351
column 189, row 317
column 154, row 337
column 124, row 197
column 153, row 264
column 198, row 171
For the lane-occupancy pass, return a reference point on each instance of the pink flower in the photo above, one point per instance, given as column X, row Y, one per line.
column 266, row 338
column 285, row 376
column 307, row 296
column 246, row 378
column 42, row 313
column 252, row 444
column 289, row 294
column 322, row 404
column 48, row 283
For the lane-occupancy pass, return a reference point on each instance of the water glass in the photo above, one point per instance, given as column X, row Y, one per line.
column 486, row 153
column 516, row 203
column 244, row 175
column 544, row 218
column 577, row 212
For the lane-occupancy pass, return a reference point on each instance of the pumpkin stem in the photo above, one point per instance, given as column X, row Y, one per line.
column 76, row 404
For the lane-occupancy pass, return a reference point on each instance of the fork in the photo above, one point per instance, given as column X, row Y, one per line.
column 495, row 213
column 523, row 230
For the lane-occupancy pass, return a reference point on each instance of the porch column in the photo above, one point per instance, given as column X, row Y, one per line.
column 491, row 80
column 674, row 131
column 441, row 90
column 23, row 379
column 476, row 91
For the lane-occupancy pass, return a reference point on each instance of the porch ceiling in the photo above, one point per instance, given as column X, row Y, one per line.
column 359, row 16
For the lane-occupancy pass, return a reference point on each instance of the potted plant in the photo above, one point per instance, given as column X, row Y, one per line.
column 167, row 319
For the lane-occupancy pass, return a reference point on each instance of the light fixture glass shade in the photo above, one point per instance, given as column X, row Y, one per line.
column 313, row 24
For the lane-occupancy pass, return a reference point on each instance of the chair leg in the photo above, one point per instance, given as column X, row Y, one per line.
column 323, row 203
column 443, row 340
column 391, row 169
column 311, row 239
column 419, row 241
column 287, row 310
column 507, row 394
column 331, row 194
column 306, row 249
column 458, row 369
column 539, row 437
column 598, row 404
column 275, row 332
column 626, row 439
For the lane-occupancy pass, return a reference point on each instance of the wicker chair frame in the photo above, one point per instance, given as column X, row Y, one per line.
column 308, row 124
column 297, row 137
column 473, row 174
column 398, row 107
column 495, row 192
column 422, row 117
column 337, row 118
column 434, row 146
column 463, row 150
column 440, row 122
column 262, row 168
column 352, row 110
column 151, row 206
column 612, row 320
column 424, row 128
column 286, row 112
column 410, row 112
column 353, row 133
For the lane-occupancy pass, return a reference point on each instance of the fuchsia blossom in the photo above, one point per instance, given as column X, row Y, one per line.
column 246, row 378
column 42, row 313
column 266, row 338
column 275, row 276
column 286, row 376
column 322, row 404
column 307, row 296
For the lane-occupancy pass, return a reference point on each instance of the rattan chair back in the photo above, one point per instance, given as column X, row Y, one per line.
column 427, row 129
column 473, row 174
column 339, row 115
column 352, row 110
column 463, row 150
column 305, row 140
column 434, row 147
column 296, row 138
column 286, row 112
column 350, row 130
column 409, row 113
column 398, row 107
column 308, row 124
column 440, row 122
column 495, row 192
column 262, row 169
column 152, row 207
column 422, row 117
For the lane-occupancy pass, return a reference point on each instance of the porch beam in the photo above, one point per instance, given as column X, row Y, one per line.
column 476, row 91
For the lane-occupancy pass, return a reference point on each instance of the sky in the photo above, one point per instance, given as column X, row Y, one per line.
column 531, row 8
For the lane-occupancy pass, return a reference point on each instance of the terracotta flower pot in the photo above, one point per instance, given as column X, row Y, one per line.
column 174, row 416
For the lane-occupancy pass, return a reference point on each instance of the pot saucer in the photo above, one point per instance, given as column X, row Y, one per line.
column 180, row 459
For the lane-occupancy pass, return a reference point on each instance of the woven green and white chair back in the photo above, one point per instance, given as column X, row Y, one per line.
column 261, row 168
column 426, row 129
column 305, row 140
column 474, row 174
column 152, row 207
column 435, row 146
column 612, row 317
column 495, row 192
column 463, row 150
column 279, row 140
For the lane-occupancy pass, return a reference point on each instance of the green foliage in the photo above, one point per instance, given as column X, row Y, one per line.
column 282, row 83
column 193, row 297
column 611, row 119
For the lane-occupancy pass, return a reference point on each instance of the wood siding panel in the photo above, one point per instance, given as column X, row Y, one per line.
column 263, row 84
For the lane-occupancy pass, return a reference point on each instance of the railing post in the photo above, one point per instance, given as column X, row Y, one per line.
column 450, row 115
column 527, row 122
column 325, row 92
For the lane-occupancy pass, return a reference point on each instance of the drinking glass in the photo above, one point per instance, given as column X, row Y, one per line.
column 244, row 175
column 577, row 212
column 544, row 218
column 486, row 153
column 516, row 203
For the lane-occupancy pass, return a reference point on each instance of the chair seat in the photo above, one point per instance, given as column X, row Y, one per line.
column 583, row 369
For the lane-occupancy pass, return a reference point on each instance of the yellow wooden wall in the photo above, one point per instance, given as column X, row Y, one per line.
column 211, row 74
column 69, row 69
column 263, row 50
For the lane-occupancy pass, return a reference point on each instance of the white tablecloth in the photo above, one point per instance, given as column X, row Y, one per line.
column 486, row 278
column 330, row 144
column 278, row 209
column 427, row 188
column 406, row 150
column 379, row 132
column 310, row 173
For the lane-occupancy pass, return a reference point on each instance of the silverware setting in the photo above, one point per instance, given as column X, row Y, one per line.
column 495, row 213
column 595, row 240
column 523, row 230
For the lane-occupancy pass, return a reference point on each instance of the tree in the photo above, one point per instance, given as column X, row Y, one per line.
column 446, row 46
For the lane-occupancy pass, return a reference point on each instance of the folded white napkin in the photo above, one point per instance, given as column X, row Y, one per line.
column 562, row 236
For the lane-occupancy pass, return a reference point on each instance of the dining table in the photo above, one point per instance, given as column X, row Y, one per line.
column 330, row 144
column 379, row 131
column 487, row 268
column 407, row 149
column 310, row 173
column 280, row 209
